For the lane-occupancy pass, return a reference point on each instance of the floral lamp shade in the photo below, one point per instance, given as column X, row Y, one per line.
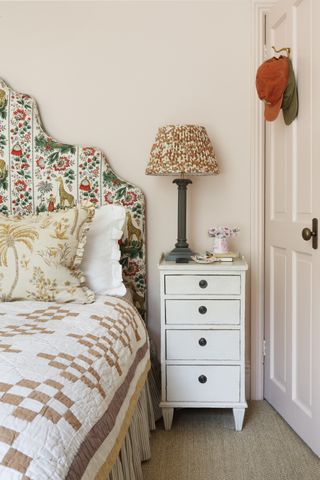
column 180, row 150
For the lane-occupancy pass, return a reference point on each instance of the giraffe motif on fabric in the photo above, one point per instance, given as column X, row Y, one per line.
column 64, row 195
column 38, row 174
column 133, row 231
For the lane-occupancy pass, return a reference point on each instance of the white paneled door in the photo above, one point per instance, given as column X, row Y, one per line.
column 292, row 316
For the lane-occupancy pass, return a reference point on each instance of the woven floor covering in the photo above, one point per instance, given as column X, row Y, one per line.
column 203, row 445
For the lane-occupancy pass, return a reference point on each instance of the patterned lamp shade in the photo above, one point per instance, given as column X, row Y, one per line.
column 182, row 149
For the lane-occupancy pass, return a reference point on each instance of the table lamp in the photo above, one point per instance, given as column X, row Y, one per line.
column 182, row 150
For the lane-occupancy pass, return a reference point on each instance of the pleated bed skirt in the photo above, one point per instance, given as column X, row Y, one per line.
column 136, row 446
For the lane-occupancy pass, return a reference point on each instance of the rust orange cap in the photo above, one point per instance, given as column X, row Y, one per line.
column 271, row 82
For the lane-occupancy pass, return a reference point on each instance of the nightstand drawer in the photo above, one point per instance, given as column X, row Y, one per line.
column 186, row 312
column 203, row 383
column 202, row 284
column 203, row 345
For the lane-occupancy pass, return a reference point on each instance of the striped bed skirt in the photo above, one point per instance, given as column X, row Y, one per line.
column 136, row 445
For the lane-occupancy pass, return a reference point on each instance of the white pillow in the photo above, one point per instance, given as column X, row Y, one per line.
column 100, row 263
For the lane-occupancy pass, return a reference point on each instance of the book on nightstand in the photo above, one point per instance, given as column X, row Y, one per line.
column 225, row 256
column 212, row 257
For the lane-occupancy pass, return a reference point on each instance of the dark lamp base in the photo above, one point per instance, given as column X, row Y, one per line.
column 183, row 252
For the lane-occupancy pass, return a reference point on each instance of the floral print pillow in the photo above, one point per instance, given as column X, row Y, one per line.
column 40, row 256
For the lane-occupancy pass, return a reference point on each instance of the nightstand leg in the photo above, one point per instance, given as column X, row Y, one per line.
column 238, row 415
column 167, row 414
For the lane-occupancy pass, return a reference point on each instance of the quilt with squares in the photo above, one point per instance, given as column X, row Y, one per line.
column 70, row 379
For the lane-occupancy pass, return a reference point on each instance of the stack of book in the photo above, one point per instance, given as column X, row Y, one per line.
column 225, row 256
column 211, row 257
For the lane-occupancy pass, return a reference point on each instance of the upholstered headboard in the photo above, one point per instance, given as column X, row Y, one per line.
column 38, row 173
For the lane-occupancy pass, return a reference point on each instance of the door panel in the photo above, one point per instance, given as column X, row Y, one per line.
column 302, row 160
column 279, row 172
column 278, row 317
column 292, row 300
column 302, row 332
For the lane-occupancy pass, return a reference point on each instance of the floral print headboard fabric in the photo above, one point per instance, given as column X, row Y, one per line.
column 38, row 173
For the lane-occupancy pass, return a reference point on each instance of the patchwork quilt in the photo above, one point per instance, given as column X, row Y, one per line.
column 70, row 379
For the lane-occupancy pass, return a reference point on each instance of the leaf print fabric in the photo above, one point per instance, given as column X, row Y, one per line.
column 11, row 236
column 40, row 256
column 41, row 174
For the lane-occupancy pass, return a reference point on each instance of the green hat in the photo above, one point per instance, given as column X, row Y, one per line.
column 290, row 98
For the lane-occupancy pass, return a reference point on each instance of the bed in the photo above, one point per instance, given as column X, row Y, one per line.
column 76, row 398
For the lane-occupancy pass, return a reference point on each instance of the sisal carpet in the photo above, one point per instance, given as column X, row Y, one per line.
column 203, row 445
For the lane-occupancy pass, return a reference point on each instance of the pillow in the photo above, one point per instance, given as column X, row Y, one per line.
column 100, row 263
column 40, row 256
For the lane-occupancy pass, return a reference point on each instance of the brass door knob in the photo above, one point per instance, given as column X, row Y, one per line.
column 307, row 233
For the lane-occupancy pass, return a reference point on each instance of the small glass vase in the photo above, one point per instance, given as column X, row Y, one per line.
column 220, row 245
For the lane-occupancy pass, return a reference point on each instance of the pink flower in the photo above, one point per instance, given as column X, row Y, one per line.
column 131, row 197
column 21, row 186
column 88, row 151
column 132, row 268
column 223, row 232
column 20, row 115
column 1, row 198
column 41, row 163
column 108, row 197
column 62, row 164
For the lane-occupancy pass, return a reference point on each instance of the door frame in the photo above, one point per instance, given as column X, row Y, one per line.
column 259, row 9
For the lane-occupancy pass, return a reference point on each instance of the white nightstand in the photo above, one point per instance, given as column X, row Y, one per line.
column 203, row 337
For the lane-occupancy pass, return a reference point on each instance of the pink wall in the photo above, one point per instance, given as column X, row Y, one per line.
column 110, row 73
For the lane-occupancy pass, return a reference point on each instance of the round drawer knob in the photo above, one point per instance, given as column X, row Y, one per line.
column 202, row 379
column 202, row 342
column 203, row 284
column 202, row 309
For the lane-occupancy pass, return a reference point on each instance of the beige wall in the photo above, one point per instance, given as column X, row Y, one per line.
column 109, row 73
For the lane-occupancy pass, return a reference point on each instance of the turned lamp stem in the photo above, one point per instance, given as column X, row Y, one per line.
column 181, row 249
column 182, row 212
column 182, row 150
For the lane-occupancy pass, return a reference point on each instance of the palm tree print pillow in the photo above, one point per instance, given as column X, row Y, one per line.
column 40, row 256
